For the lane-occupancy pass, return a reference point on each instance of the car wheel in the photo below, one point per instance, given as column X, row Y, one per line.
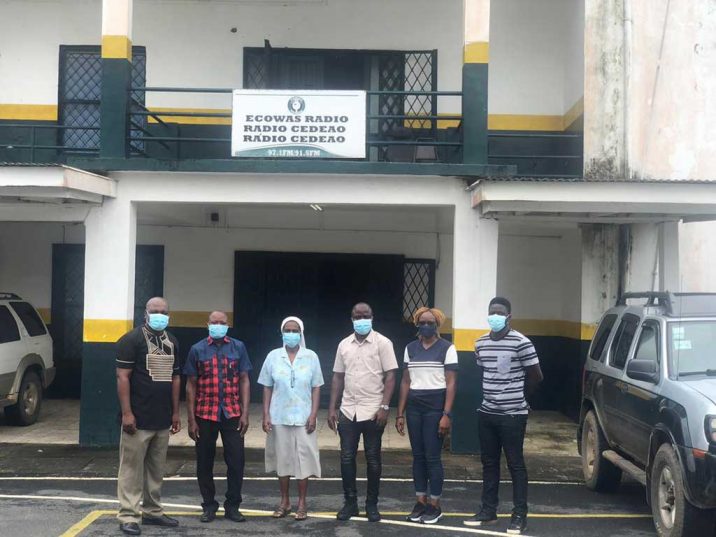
column 599, row 473
column 673, row 515
column 29, row 401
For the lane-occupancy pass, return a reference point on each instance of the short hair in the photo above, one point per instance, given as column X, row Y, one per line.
column 503, row 302
column 155, row 299
column 361, row 304
column 438, row 314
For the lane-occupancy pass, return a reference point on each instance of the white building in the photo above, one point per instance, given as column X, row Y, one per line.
column 560, row 147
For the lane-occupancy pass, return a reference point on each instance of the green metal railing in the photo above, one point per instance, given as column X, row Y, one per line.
column 26, row 149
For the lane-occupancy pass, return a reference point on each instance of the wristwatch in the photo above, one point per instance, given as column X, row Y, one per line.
column 448, row 414
column 384, row 407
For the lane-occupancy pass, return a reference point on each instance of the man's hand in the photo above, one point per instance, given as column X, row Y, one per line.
column 311, row 424
column 444, row 426
column 381, row 418
column 129, row 423
column 267, row 425
column 333, row 420
column 193, row 430
column 243, row 423
column 176, row 424
column 400, row 425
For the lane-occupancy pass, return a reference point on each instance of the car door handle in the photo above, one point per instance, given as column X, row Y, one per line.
column 623, row 387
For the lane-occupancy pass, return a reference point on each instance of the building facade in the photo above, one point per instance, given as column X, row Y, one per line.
column 523, row 148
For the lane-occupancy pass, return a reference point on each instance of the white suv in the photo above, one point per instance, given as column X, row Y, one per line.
column 26, row 366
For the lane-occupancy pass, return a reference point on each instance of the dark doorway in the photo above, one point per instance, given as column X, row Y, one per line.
column 320, row 289
column 68, row 280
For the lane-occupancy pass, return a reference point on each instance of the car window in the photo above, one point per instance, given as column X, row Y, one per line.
column 30, row 318
column 648, row 346
column 622, row 340
column 8, row 327
column 601, row 337
column 691, row 347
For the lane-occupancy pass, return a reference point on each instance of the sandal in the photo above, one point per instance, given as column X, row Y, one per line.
column 301, row 514
column 281, row 512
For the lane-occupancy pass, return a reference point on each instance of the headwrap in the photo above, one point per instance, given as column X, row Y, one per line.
column 299, row 322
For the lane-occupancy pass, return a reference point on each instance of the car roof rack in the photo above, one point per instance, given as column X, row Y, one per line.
column 9, row 296
column 676, row 304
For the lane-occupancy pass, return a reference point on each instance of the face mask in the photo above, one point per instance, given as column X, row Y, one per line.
column 158, row 321
column 497, row 322
column 291, row 339
column 363, row 327
column 427, row 331
column 218, row 331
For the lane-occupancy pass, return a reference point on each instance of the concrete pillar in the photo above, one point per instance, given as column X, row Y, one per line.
column 116, row 77
column 600, row 273
column 669, row 275
column 110, row 246
column 476, row 19
column 474, row 285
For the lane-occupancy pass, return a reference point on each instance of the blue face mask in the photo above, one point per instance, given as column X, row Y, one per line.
column 158, row 321
column 427, row 331
column 497, row 322
column 363, row 327
column 291, row 339
column 218, row 331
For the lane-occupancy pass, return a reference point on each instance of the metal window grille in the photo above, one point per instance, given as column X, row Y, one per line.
column 418, row 285
column 80, row 92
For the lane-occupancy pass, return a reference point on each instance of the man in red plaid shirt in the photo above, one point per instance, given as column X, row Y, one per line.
column 217, row 396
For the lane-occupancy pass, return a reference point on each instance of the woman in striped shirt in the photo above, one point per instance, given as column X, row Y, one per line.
column 427, row 392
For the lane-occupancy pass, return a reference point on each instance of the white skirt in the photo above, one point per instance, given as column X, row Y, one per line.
column 291, row 451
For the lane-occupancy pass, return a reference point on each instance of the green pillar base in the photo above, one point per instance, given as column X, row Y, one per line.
column 99, row 406
column 474, row 113
column 464, row 436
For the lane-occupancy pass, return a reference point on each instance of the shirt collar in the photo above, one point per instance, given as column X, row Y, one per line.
column 210, row 340
column 369, row 338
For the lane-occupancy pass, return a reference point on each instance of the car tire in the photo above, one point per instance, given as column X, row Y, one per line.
column 599, row 474
column 29, row 400
column 673, row 515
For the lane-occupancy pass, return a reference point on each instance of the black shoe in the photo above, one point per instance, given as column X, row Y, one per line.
column 130, row 528
column 518, row 524
column 349, row 509
column 371, row 512
column 208, row 515
column 233, row 514
column 164, row 521
column 416, row 513
column 432, row 515
column 483, row 518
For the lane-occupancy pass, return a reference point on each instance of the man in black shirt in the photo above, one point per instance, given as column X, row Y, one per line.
column 148, row 385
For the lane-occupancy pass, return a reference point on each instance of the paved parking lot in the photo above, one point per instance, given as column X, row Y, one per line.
column 48, row 507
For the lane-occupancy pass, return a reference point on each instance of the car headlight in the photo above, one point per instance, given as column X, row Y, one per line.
column 710, row 426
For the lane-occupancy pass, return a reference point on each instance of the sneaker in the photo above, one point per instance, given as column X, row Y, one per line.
column 372, row 513
column 416, row 513
column 349, row 509
column 483, row 518
column 518, row 524
column 432, row 515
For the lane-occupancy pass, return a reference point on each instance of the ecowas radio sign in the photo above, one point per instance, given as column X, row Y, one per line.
column 298, row 124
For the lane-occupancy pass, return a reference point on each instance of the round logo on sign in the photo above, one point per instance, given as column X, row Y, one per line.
column 296, row 105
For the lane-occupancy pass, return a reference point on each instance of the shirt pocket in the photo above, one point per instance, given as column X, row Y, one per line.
column 504, row 364
column 205, row 368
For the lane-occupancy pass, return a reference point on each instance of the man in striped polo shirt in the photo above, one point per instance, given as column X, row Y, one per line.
column 509, row 367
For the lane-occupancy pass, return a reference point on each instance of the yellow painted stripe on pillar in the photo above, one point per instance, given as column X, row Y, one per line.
column 524, row 122
column 45, row 315
column 193, row 319
column 190, row 120
column 28, row 112
column 476, row 52
column 464, row 338
column 588, row 331
column 105, row 330
column 573, row 114
column 117, row 47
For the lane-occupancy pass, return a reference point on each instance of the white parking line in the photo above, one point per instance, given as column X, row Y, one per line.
column 88, row 499
column 268, row 478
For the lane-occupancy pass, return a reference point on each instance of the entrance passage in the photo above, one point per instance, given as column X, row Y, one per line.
column 321, row 289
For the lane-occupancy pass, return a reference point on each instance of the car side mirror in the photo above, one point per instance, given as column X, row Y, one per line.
column 645, row 370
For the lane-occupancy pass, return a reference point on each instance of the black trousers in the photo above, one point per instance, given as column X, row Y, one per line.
column 503, row 433
column 233, row 456
column 350, row 433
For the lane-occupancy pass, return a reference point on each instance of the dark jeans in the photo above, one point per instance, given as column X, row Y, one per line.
column 503, row 433
column 426, row 444
column 233, row 456
column 350, row 433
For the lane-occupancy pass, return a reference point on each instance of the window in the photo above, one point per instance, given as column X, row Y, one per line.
column 30, row 318
column 601, row 337
column 8, row 326
column 418, row 285
column 691, row 347
column 622, row 340
column 648, row 346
